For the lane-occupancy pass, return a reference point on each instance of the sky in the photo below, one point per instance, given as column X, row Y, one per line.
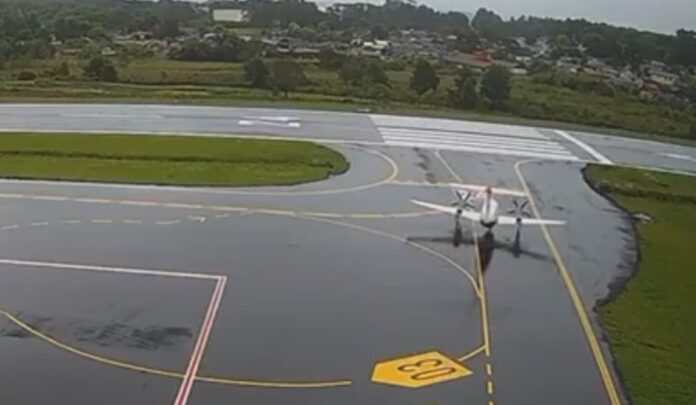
column 664, row 16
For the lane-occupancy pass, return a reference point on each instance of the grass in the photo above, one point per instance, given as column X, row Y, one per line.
column 532, row 103
column 651, row 324
column 172, row 160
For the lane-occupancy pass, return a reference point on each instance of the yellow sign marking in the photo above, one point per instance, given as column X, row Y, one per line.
column 419, row 370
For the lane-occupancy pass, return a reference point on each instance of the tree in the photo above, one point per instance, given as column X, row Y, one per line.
column 424, row 77
column 375, row 74
column 256, row 73
column 100, row 69
column 495, row 86
column 380, row 31
column 352, row 71
column 288, row 75
column 464, row 95
column 329, row 59
column 598, row 46
column 488, row 23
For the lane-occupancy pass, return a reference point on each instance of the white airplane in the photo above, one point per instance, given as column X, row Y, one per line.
column 488, row 216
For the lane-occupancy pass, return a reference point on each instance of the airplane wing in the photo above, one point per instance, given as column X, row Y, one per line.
column 504, row 220
column 470, row 215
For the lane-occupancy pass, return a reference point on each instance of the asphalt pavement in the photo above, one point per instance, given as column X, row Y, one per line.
column 335, row 292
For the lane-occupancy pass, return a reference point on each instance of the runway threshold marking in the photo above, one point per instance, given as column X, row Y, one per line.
column 577, row 301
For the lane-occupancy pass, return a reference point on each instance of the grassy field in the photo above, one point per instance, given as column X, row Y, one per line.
column 651, row 324
column 161, row 80
column 166, row 159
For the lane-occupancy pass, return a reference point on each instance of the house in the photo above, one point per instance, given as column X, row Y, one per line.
column 663, row 78
column 231, row 15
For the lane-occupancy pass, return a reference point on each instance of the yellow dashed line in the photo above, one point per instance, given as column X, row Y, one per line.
column 102, row 221
column 139, row 203
column 132, row 221
column 174, row 222
column 489, row 387
column 71, row 222
column 43, row 223
column 50, row 198
column 185, row 206
column 489, row 369
column 9, row 227
column 90, row 200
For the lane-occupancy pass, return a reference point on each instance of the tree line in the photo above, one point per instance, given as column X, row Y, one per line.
column 490, row 89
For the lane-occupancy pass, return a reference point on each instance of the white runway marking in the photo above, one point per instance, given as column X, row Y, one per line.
column 108, row 269
column 467, row 136
column 587, row 148
column 201, row 343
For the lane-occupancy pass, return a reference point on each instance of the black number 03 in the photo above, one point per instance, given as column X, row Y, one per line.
column 426, row 369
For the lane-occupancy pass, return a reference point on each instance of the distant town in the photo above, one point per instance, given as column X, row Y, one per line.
column 398, row 52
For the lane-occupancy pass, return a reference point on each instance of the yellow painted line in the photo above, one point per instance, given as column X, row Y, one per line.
column 228, row 208
column 50, row 198
column 574, row 295
column 91, row 200
column 438, row 255
column 71, row 222
column 276, row 212
column 168, row 222
column 484, row 301
column 471, row 354
column 184, row 206
column 489, row 387
column 167, row 373
column 322, row 214
column 138, row 203
column 366, row 216
column 5, row 195
column 232, row 208
column 489, row 369
column 490, row 402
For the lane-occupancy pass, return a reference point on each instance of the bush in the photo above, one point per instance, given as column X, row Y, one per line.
column 26, row 75
column 102, row 69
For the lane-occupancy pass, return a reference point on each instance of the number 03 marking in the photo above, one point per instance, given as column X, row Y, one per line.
column 426, row 369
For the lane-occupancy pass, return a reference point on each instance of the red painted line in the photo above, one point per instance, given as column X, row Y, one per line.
column 199, row 348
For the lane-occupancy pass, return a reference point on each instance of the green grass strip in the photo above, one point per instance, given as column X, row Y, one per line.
column 171, row 160
column 652, row 323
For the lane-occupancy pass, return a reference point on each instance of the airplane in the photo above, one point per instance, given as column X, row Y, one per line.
column 488, row 216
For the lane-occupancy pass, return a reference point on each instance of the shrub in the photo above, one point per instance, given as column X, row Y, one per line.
column 26, row 75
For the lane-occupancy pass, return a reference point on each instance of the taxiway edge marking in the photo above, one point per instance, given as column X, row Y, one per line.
column 576, row 300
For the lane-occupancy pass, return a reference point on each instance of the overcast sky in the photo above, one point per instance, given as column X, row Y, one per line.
column 655, row 15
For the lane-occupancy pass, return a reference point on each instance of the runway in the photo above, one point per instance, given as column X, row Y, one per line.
column 335, row 292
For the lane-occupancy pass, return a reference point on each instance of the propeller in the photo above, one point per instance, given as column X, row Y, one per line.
column 519, row 210
column 462, row 200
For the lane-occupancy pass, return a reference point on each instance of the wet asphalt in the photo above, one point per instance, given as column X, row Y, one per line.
column 324, row 280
